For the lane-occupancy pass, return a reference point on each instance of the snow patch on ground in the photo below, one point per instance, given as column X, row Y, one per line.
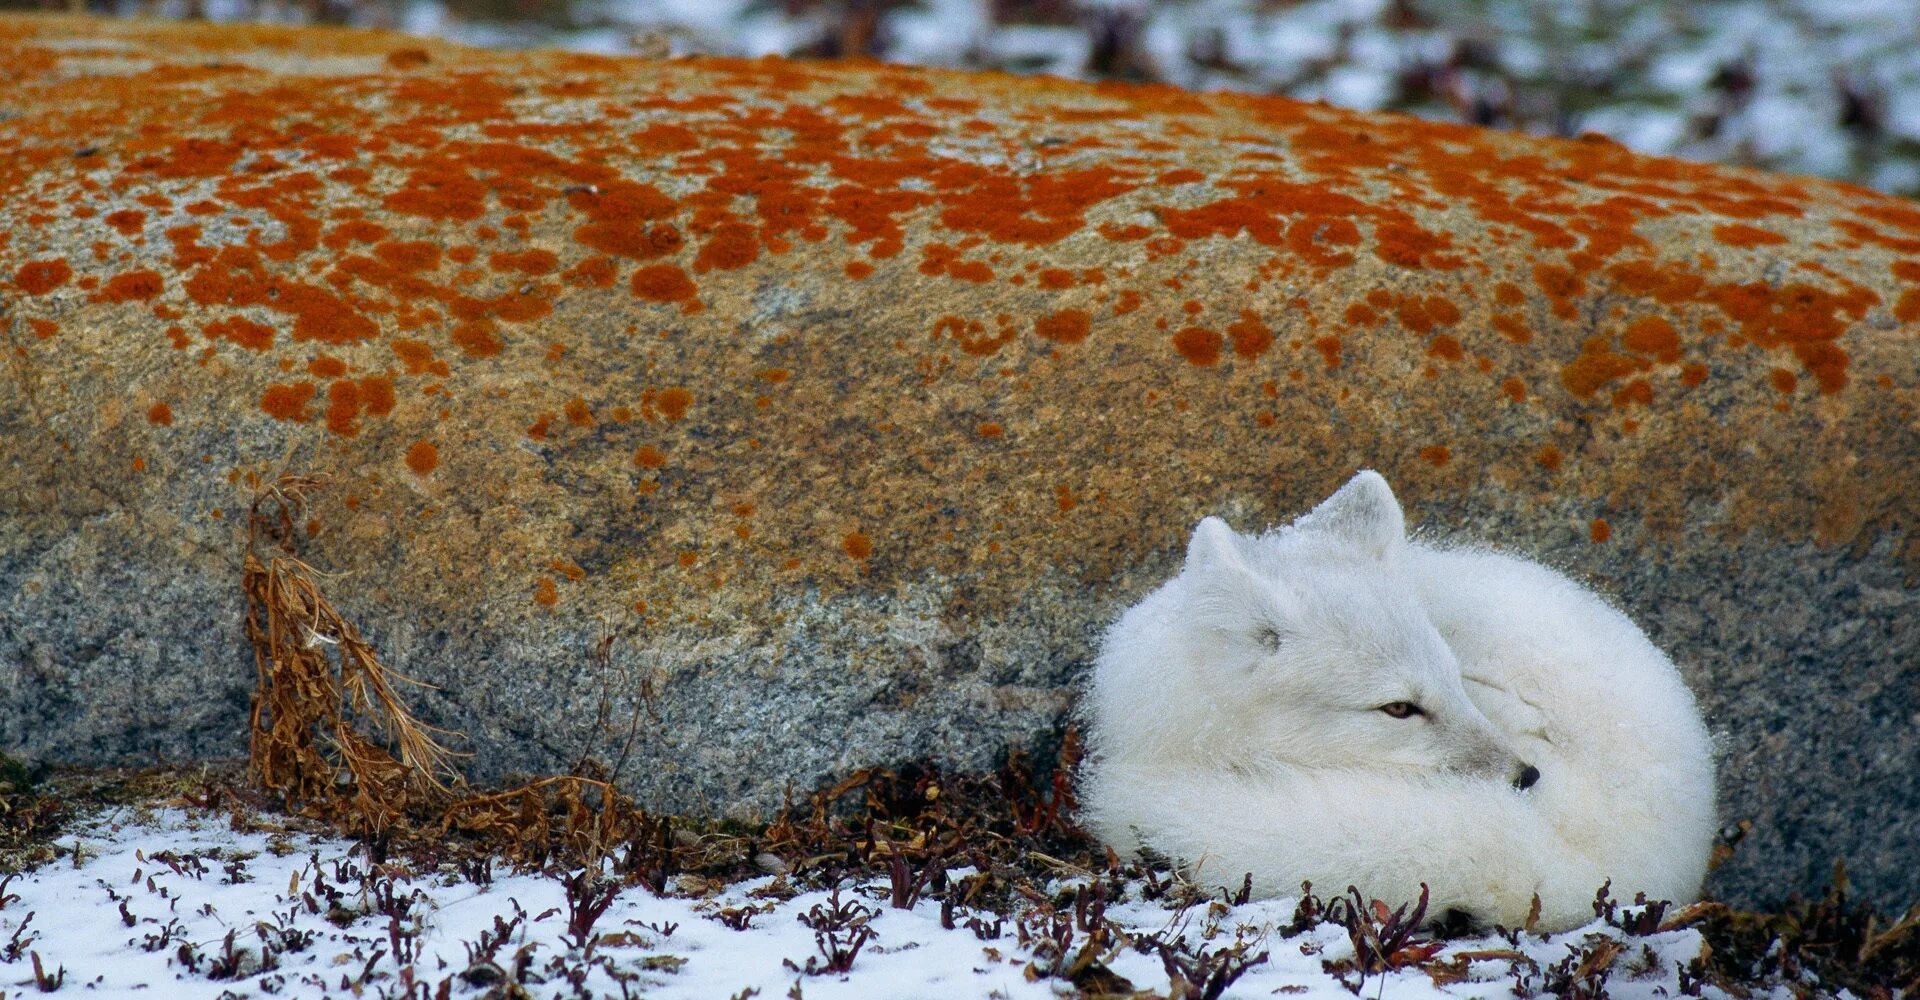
column 172, row 903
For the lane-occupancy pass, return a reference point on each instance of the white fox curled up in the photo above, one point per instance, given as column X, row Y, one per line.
column 1336, row 704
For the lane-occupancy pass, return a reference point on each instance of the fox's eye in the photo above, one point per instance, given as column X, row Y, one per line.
column 1401, row 709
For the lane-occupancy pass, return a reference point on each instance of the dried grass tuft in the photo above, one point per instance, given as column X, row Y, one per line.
column 329, row 729
column 331, row 733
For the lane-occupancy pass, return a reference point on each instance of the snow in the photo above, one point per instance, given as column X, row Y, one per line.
column 175, row 903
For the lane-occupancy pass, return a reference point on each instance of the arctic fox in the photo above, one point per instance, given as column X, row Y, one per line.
column 1333, row 703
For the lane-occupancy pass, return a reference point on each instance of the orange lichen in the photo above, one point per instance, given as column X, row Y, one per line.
column 1599, row 531
column 663, row 283
column 1437, row 454
column 240, row 330
column 1514, row 389
column 1548, row 457
column 160, row 414
column 1329, row 348
column 1068, row 326
column 546, row 593
column 1251, row 337
column 673, row 403
column 1654, row 336
column 856, row 545
column 1597, row 365
column 1783, row 380
column 423, row 457
column 649, row 457
column 579, row 414
column 287, row 402
column 478, row 338
column 133, row 286
column 1199, row 345
column 1739, row 234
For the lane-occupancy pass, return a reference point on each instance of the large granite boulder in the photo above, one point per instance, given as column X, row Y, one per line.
column 853, row 400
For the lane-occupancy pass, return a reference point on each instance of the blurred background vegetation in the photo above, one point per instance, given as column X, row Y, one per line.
column 1826, row 87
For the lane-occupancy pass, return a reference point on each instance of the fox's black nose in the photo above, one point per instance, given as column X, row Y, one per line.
column 1528, row 775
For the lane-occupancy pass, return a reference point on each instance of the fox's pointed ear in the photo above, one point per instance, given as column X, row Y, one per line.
column 1213, row 545
column 1363, row 512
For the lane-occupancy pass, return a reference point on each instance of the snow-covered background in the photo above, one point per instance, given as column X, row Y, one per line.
column 181, row 903
column 1826, row 87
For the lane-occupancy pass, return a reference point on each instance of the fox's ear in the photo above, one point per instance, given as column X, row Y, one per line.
column 1213, row 545
column 1363, row 512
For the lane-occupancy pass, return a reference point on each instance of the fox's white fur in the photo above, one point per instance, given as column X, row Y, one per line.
column 1235, row 723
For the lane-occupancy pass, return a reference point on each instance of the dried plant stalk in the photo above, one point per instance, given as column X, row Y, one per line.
column 318, row 683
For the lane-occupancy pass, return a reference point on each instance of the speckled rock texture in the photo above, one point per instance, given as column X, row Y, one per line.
column 853, row 400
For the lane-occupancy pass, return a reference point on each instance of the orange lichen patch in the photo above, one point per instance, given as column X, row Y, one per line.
column 1329, row 347
column 326, row 366
column 592, row 272
column 1561, row 285
column 579, row 414
column 649, row 457
column 665, row 283
column 408, row 58
column 1653, row 336
column 1127, row 302
column 343, row 407
column 43, row 329
column 673, row 403
column 239, row 330
column 287, row 402
column 546, row 593
column 1784, row 380
column 627, row 220
column 970, row 334
column 1907, row 310
column 1597, row 365
column 1548, row 457
column 1638, row 391
column 160, row 414
column 569, row 569
column 1068, row 326
column 1803, row 318
column 1251, row 337
column 132, row 286
column 1599, row 531
column 478, row 338
column 858, row 270
column 127, row 221
column 423, row 457
column 1055, row 278
column 938, row 258
column 731, row 247
column 666, row 138
column 534, row 261
column 1063, row 498
column 989, row 429
column 1514, row 389
column 1511, row 327
column 1739, row 234
column 376, row 395
column 1693, row 374
column 1437, row 454
column 856, row 545
column 1199, row 345
column 1446, row 347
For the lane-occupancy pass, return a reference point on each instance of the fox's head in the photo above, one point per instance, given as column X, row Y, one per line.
column 1305, row 647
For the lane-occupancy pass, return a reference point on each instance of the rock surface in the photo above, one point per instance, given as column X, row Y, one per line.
column 853, row 400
